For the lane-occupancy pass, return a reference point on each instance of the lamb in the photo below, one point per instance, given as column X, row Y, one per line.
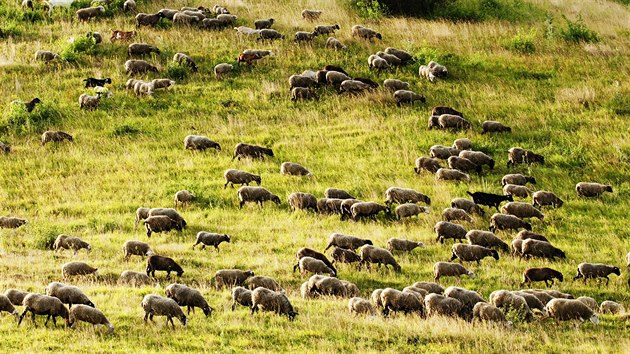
column 427, row 163
column 525, row 234
column 591, row 189
column 129, row 6
column 251, row 151
column 518, row 155
column 367, row 210
column 335, row 78
column 46, row 55
column 184, row 59
column 405, row 195
column 391, row 59
column 489, row 199
column 570, row 309
column 269, row 34
column 611, row 307
column 65, row 242
column 210, row 239
column 518, row 179
column 342, row 255
column 486, row 239
column 302, row 36
column 365, row 33
column 596, row 270
column 447, row 230
column 15, row 296
column 541, row 274
column 509, row 301
column 399, row 244
column 534, row 248
column 241, row 296
column 88, row 13
column 302, row 93
column 445, row 269
column 346, row 241
column 409, row 209
column 144, row 19
column 334, row 43
column 89, row 102
column 590, row 302
column 490, row 126
column 354, row 86
column 373, row 254
column 440, row 305
column 516, row 190
column 433, row 70
column 68, row 294
column 447, row 174
column 450, row 214
column 312, row 265
column 155, row 305
column 90, row 315
column 160, row 223
column 171, row 213
column 485, row 312
column 239, row 177
column 184, row 197
column 231, row 277
column 478, row 158
column 255, row 194
column 462, row 144
column 161, row 263
column 472, row 253
column 189, row 297
column 38, row 304
column 522, row 210
column 269, row 300
column 92, row 82
column 263, row 24
column 337, row 193
column 398, row 301
column 294, row 169
column 132, row 278
column 443, row 152
column 359, row 306
column 263, row 282
column 404, row 56
column 11, row 222
column 121, row 35
column 311, row 15
column 467, row 205
column 223, row 70
column 55, row 136
column 301, row 81
column 507, row 222
column 406, row 96
column 200, row 143
column 463, row 164
column 134, row 66
column 376, row 62
column 468, row 298
column 76, row 268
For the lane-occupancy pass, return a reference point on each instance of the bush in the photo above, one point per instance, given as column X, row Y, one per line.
column 44, row 238
column 10, row 30
column 369, row 9
column 175, row 71
column 522, row 42
column 20, row 121
column 578, row 32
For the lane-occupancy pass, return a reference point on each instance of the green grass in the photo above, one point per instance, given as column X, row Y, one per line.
column 565, row 100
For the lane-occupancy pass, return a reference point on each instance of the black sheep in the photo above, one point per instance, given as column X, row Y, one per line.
column 92, row 82
column 489, row 199
column 166, row 264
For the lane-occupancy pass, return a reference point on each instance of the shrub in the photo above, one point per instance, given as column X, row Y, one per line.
column 522, row 42
column 44, row 238
column 369, row 9
column 578, row 32
column 10, row 30
column 20, row 121
column 175, row 71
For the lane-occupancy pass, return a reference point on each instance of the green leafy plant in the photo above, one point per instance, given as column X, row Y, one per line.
column 577, row 31
column 369, row 9
column 522, row 42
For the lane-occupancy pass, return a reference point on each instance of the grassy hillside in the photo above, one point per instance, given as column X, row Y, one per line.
column 568, row 100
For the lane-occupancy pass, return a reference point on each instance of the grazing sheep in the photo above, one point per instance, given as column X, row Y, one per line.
column 227, row 18
column 398, row 301
column 346, row 207
column 399, row 244
column 354, row 86
column 507, row 222
column 88, row 13
column 256, row 195
column 589, row 189
column 311, row 15
column 406, row 96
column 450, row 214
column 376, row 62
column 312, row 265
column 263, row 282
column 446, row 230
column 468, row 298
column 160, row 223
column 391, row 59
column 220, row 10
column 570, row 309
column 15, row 296
column 518, row 179
column 472, row 253
column 534, row 248
column 515, row 248
column 409, row 209
column 446, row 269
column 432, row 70
column 68, row 294
column 251, row 151
column 427, row 163
column 210, row 239
column 187, row 18
column 596, row 270
column 76, row 268
column 189, row 297
column 462, row 144
column 269, row 34
column 541, row 295
column 467, row 205
column 38, row 304
column 294, row 169
column 184, row 197
column 342, row 255
column 263, row 24
column 486, row 239
column 11, row 222
column 405, row 195
column 543, row 198
column 443, row 152
column 522, row 156
column 463, row 164
column 141, row 214
column 144, row 19
column 89, row 102
column 45, row 55
column 611, row 307
column 184, row 59
column 65, row 242
column 490, row 126
column 335, row 78
column 447, row 174
column 121, row 36
column 337, row 193
column 430, row 287
column 231, row 277
column 155, row 305
column 485, row 312
column 541, row 274
column 522, row 210
column 376, row 298
column 346, row 241
column 509, row 301
column 303, row 201
column 223, row 70
column 240, row 177
column 325, row 29
column 525, row 234
column 359, row 306
column 302, row 36
column 532, row 301
column 372, row 254
column 516, row 190
column 367, row 210
column 478, row 158
column 334, row 43
column 489, row 199
column 129, row 277
column 161, row 263
column 404, row 56
column 134, row 66
column 241, row 296
column 335, row 68
column 365, row 33
column 268, row 300
column 301, row 81
column 326, row 286
column 92, row 82
column 303, row 93
column 7, row 306
column 200, row 143
column 395, row 85
column 440, row 305
column 90, row 315
column 590, row 302
column 129, row 6
column 250, row 55
column 171, row 213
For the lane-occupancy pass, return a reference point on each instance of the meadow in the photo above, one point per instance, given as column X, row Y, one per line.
column 565, row 97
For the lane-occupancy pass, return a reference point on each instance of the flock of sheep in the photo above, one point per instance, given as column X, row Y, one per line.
column 263, row 292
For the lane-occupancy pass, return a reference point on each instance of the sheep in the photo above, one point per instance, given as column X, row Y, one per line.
column 133, row 66
column 144, row 19
column 405, row 195
column 68, row 294
column 541, row 295
column 375, row 298
column 129, row 6
column 302, row 36
column 77, row 268
column 294, row 169
column 376, row 62
column 171, row 213
column 406, row 96
column 89, row 102
column 311, row 15
column 541, row 274
column 220, row 10
column 325, row 29
column 543, row 198
column 525, row 234
column 200, row 143
column 160, row 223
column 28, row 4
column 396, row 85
column 596, row 270
column 468, row 298
column 233, row 176
column 518, row 179
column 251, row 151
column 426, row 163
column 447, row 230
column 7, row 306
column 443, row 152
column 398, row 301
column 509, row 301
column 161, row 263
column 463, row 164
column 532, row 301
column 467, row 205
column 516, row 190
column 590, row 302
column 342, row 255
column 591, row 189
column 478, row 158
column 450, row 214
column 38, row 304
column 154, row 305
column 447, row 174
column 446, row 269
column 518, row 155
column 485, row 312
column 303, row 201
column 534, row 248
column 372, row 254
column 365, row 33
column 429, row 287
column 264, row 282
column 142, row 87
column 92, row 82
column 334, row 43
column 223, row 70
column 189, row 297
column 472, row 253
column 15, row 296
column 303, row 93
column 404, row 56
column 515, row 247
column 263, row 24
column 337, row 193
column 462, row 144
column 121, row 35
column 399, row 244
column 325, row 285
column 490, row 126
column 522, row 210
column 359, row 306
column 611, row 307
column 269, row 34
column 346, row 241
column 11, row 222
column 65, row 242
column 269, row 300
column 570, row 309
column 367, row 210
column 45, row 55
column 489, row 199
column 255, row 194
column 507, row 222
column 354, row 86
column 432, row 70
column 227, row 18
column 132, row 278
column 391, row 59
column 162, row 83
column 440, row 305
column 29, row 105
column 335, row 78
column 249, row 56
column 301, row 81
column 187, row 18
column 312, row 265
column 486, row 239
column 241, row 296
column 184, row 197
column 210, row 239
column 335, row 68
column 90, row 315
column 231, row 277
column 88, row 13
column 330, row 206
column 409, row 209
column 184, row 59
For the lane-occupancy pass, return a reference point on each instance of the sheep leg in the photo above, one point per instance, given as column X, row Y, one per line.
column 47, row 319
column 54, row 318
column 240, row 205
column 216, row 247
column 453, row 256
column 146, row 315
column 23, row 314
column 233, row 305
column 607, row 280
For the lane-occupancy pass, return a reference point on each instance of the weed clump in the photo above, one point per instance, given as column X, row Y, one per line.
column 578, row 32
